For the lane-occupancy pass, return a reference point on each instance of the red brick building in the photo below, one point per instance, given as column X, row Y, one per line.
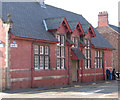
column 48, row 46
column 112, row 34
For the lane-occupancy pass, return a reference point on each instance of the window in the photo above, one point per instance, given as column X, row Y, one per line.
column 61, row 52
column 41, row 49
column 41, row 57
column 75, row 41
column 81, row 37
column 87, row 53
column 98, row 59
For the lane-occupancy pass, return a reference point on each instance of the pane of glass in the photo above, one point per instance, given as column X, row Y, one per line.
column 58, row 63
column 98, row 53
column 101, row 53
column 73, row 39
column 62, row 40
column 95, row 53
column 88, row 53
column 88, row 42
column 58, row 38
column 58, row 51
column 62, row 52
column 36, row 49
column 85, row 41
column 46, row 62
column 76, row 42
column 41, row 50
column 62, row 63
column 36, row 62
column 41, row 62
column 46, row 50
column 98, row 63
column 85, row 63
column 101, row 63
column 88, row 63
column 95, row 63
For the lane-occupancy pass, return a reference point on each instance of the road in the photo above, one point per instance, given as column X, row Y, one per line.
column 107, row 89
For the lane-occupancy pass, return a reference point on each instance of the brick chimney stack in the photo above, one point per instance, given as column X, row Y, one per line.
column 103, row 19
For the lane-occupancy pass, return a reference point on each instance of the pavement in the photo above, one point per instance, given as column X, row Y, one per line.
column 100, row 89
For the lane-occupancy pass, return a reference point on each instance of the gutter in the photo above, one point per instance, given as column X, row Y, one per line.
column 31, row 39
column 104, row 48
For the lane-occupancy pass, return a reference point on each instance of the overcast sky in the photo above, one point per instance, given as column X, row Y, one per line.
column 89, row 8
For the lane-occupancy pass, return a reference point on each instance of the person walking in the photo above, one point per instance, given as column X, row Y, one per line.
column 107, row 74
column 113, row 74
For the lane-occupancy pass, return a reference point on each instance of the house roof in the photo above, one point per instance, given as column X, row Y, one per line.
column 100, row 41
column 117, row 29
column 53, row 23
column 85, row 27
column 72, row 24
column 109, row 28
column 28, row 22
column 78, row 53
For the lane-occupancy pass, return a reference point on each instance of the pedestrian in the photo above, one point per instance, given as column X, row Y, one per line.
column 107, row 73
column 113, row 74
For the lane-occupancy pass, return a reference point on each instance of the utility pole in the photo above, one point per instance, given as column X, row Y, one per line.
column 105, row 69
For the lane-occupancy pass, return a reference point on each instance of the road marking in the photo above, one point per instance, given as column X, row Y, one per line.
column 95, row 91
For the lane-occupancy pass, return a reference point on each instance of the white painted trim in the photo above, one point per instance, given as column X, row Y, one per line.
column 91, row 74
column 45, row 25
column 50, row 77
column 19, row 70
column 19, row 79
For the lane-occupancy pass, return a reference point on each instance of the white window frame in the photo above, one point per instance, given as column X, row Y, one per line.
column 43, row 52
column 61, row 53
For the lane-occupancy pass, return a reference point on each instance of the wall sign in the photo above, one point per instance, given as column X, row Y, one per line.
column 1, row 45
column 14, row 45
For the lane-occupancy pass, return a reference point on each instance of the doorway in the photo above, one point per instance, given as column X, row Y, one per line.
column 74, row 70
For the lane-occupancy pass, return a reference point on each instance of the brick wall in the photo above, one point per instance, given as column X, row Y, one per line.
column 23, row 75
column 102, row 19
column 112, row 38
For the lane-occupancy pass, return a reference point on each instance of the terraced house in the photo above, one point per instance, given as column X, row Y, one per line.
column 42, row 46
column 112, row 34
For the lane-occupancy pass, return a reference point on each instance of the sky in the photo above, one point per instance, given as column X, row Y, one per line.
column 89, row 9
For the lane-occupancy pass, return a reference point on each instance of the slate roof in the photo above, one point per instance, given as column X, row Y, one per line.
column 117, row 29
column 78, row 53
column 85, row 27
column 100, row 41
column 72, row 24
column 54, row 23
column 28, row 19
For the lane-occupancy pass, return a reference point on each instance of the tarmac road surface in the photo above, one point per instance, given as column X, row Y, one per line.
column 108, row 89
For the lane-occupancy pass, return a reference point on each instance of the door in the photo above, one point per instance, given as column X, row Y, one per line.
column 74, row 71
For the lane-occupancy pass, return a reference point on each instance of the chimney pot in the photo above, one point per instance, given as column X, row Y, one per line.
column 103, row 19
